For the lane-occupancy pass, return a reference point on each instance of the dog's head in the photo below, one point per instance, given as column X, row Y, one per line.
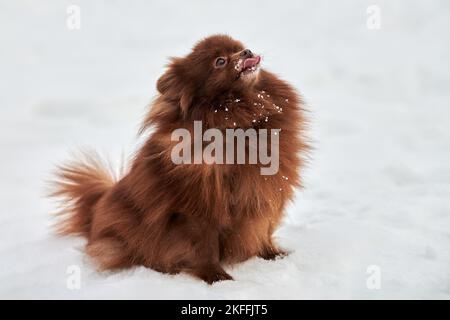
column 216, row 66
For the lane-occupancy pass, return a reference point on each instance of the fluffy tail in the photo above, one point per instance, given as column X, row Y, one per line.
column 79, row 186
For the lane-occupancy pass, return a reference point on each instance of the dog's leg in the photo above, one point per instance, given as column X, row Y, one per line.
column 207, row 266
column 269, row 250
column 109, row 253
column 192, row 244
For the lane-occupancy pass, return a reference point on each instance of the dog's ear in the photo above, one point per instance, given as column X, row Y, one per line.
column 169, row 79
column 172, row 84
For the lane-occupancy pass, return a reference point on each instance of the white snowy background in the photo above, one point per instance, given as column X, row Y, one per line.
column 378, row 184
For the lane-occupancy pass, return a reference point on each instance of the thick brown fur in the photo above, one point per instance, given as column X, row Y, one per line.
column 192, row 218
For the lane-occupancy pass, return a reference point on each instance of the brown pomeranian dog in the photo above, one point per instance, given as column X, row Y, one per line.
column 194, row 216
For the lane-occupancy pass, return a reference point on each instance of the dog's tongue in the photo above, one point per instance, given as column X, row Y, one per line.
column 251, row 62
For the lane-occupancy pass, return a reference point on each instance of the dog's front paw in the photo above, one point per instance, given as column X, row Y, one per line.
column 273, row 254
column 211, row 274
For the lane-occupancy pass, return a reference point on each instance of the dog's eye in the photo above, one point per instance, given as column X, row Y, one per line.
column 220, row 62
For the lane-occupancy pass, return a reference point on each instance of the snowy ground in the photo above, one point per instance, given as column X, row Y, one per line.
column 377, row 188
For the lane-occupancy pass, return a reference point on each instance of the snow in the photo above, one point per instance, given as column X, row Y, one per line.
column 377, row 187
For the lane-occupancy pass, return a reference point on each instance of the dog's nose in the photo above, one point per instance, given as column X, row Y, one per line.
column 246, row 53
